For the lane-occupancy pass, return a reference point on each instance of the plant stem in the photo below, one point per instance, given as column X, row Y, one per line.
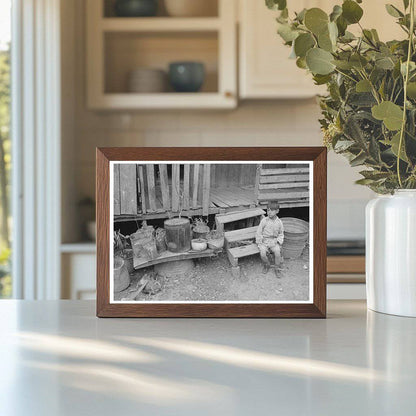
column 406, row 80
column 345, row 75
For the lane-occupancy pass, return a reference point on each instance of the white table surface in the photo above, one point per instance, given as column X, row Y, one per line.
column 57, row 358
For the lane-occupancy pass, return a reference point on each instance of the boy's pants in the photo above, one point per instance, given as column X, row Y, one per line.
column 270, row 247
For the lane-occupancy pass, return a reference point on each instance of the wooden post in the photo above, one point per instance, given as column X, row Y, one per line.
column 185, row 202
column 116, row 189
column 256, row 186
column 128, row 189
column 142, row 188
column 175, row 187
column 150, row 172
column 195, row 187
column 164, row 184
column 206, row 189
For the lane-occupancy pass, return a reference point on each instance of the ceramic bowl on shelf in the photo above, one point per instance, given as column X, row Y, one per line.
column 191, row 8
column 147, row 80
column 199, row 244
column 186, row 76
column 135, row 8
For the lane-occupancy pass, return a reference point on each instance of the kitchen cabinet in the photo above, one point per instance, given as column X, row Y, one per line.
column 265, row 70
column 118, row 45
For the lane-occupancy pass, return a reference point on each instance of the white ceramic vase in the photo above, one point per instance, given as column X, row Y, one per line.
column 391, row 253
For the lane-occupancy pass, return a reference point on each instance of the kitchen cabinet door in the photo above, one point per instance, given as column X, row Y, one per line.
column 265, row 68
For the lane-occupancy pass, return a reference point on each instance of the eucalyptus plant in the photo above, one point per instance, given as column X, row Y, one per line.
column 369, row 112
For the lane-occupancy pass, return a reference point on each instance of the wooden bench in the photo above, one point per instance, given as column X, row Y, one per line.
column 243, row 234
column 167, row 256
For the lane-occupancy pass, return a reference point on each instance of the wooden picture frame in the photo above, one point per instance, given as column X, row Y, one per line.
column 315, row 307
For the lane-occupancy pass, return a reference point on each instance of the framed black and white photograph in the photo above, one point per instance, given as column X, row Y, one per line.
column 211, row 232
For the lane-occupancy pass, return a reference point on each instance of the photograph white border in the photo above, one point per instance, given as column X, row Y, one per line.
column 212, row 162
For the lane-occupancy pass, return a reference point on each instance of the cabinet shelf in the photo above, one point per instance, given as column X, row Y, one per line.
column 198, row 100
column 159, row 24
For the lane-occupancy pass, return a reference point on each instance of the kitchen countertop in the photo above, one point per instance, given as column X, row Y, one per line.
column 57, row 358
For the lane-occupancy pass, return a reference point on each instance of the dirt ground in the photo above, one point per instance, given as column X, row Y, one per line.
column 211, row 280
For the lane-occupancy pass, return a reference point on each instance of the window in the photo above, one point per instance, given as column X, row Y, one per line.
column 5, row 147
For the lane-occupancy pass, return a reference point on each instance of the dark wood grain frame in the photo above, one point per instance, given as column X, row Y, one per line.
column 317, row 309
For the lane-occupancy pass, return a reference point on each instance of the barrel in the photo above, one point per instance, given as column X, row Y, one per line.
column 178, row 234
column 296, row 233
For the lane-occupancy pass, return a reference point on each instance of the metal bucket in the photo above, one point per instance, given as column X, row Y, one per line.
column 296, row 234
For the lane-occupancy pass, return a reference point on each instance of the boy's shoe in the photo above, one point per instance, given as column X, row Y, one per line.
column 277, row 272
column 266, row 268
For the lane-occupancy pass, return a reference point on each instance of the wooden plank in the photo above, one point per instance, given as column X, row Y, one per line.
column 346, row 264
column 175, row 187
column 116, row 189
column 142, row 190
column 284, row 178
column 218, row 200
column 242, row 234
column 284, row 185
column 283, row 195
column 228, row 196
column 195, row 186
column 167, row 256
column 186, row 172
column 257, row 183
column 205, row 189
column 164, row 185
column 213, row 180
column 151, row 189
column 283, row 171
column 128, row 188
column 244, row 251
column 239, row 215
column 290, row 204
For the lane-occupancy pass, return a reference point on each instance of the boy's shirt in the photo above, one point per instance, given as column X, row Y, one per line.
column 270, row 230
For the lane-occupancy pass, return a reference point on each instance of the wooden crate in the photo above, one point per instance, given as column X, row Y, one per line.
column 289, row 185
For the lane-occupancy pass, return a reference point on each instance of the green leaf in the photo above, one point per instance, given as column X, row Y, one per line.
column 303, row 43
column 374, row 175
column 348, row 37
column 411, row 90
column 412, row 67
column 343, row 145
column 374, row 150
column 321, row 79
column 393, row 11
column 343, row 65
column 336, row 12
column 363, row 86
column 325, row 43
column 358, row 61
column 301, row 63
column 394, row 144
column 300, row 17
column 364, row 181
column 406, row 4
column 351, row 11
column 286, row 32
column 276, row 4
column 316, row 20
column 358, row 160
column 385, row 63
column 342, row 25
column 319, row 61
column 375, row 35
column 391, row 114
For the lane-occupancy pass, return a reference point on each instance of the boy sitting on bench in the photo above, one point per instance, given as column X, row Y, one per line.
column 269, row 237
